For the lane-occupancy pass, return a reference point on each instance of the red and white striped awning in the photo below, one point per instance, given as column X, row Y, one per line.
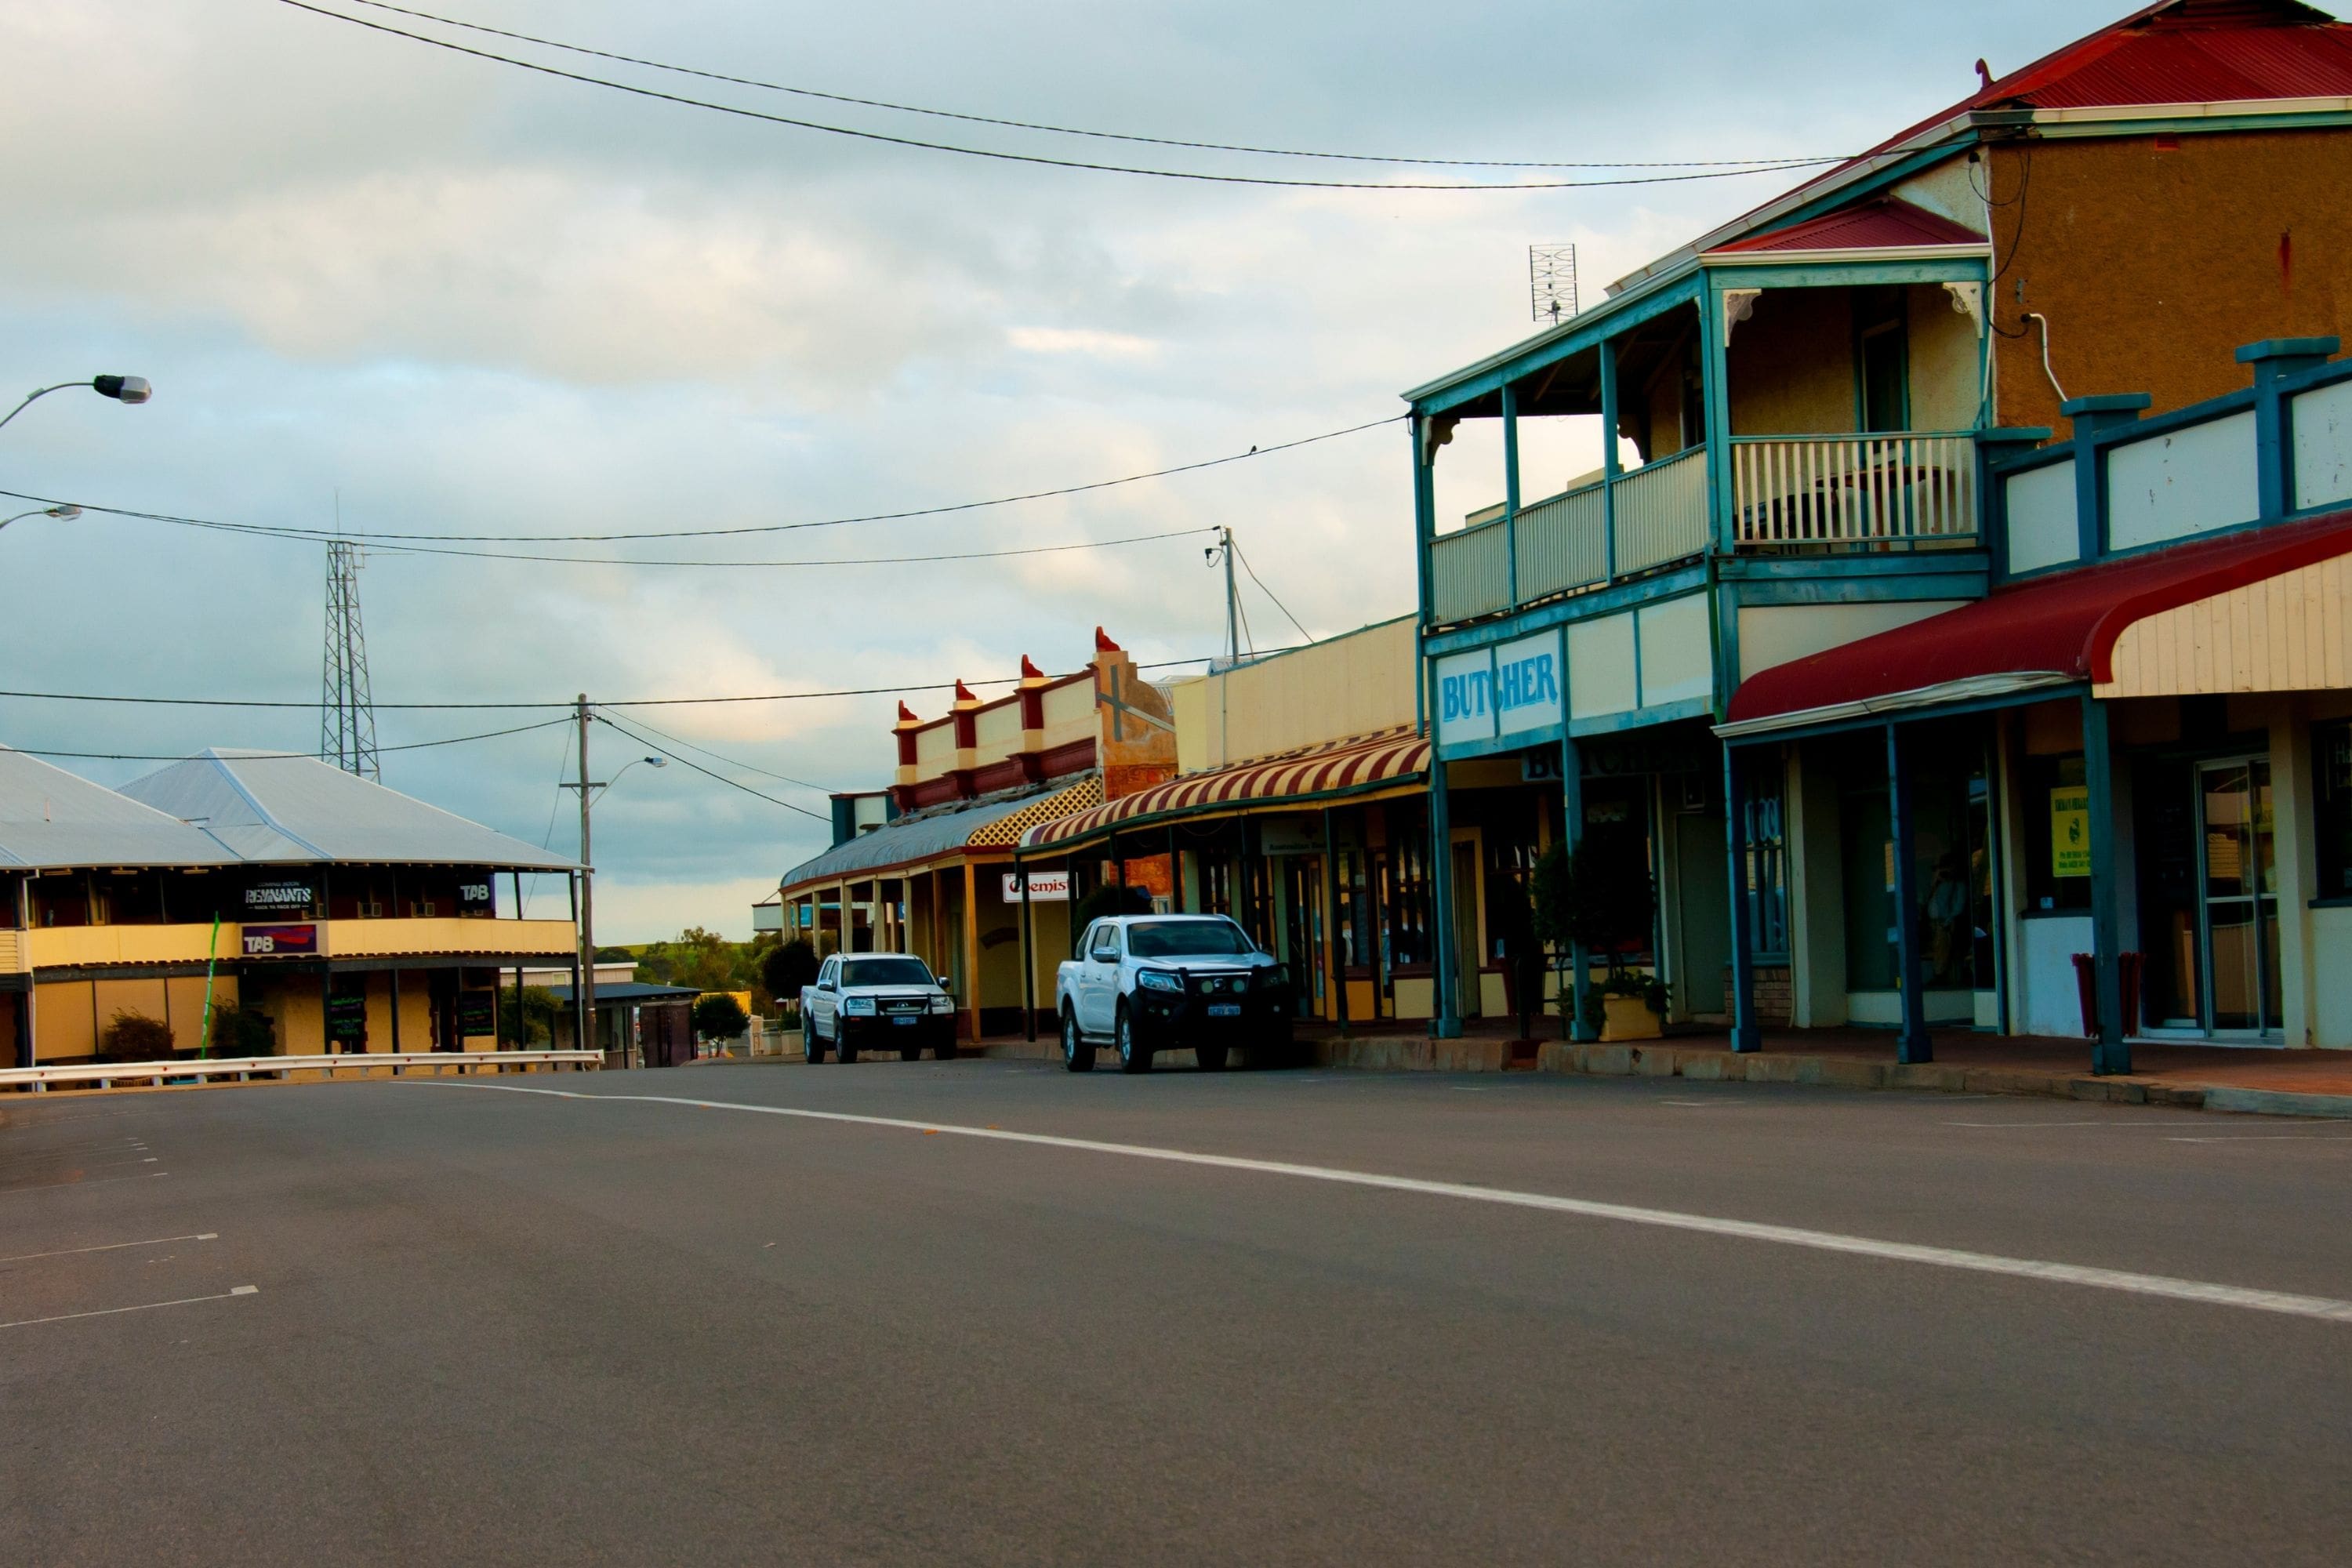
column 1392, row 759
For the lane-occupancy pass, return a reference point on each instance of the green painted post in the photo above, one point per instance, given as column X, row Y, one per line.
column 212, row 956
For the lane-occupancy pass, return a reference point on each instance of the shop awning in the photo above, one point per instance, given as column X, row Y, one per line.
column 1392, row 760
column 2261, row 610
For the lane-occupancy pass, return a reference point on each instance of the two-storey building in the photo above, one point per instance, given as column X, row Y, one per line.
column 351, row 917
column 1823, row 430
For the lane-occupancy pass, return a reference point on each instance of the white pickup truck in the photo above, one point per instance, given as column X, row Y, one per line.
column 881, row 1001
column 1154, row 983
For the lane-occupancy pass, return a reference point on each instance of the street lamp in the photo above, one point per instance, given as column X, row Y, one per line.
column 130, row 389
column 65, row 513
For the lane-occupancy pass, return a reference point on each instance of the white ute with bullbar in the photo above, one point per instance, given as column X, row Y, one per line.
column 1145, row 983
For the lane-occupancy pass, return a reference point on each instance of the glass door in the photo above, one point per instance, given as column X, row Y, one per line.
column 2238, row 873
column 1303, row 946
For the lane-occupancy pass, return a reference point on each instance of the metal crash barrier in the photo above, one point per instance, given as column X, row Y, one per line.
column 352, row 1065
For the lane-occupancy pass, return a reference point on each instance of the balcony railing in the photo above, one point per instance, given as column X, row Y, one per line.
column 1563, row 543
column 1898, row 490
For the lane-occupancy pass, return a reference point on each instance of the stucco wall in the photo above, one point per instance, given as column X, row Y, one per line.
column 1791, row 365
column 2153, row 267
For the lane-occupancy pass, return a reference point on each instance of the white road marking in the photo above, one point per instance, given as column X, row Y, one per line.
column 113, row 1246
column 2166, row 1286
column 1703, row 1104
column 2265, row 1138
column 143, row 1307
column 2094, row 1123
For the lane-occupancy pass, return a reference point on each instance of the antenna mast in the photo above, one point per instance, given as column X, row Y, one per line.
column 1551, row 282
column 346, row 708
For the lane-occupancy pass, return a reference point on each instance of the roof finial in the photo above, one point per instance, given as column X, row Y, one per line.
column 1984, row 76
column 1102, row 642
column 1029, row 670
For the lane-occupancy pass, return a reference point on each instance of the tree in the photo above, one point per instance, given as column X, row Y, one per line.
column 243, row 1032
column 1106, row 901
column 538, row 1020
column 135, row 1037
column 720, row 1016
column 784, row 970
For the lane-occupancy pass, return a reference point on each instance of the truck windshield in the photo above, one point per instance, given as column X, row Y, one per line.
column 1182, row 939
column 885, row 972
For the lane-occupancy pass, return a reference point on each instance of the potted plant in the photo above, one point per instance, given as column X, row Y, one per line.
column 1600, row 897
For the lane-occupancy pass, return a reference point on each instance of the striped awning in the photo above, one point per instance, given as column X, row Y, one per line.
column 1392, row 759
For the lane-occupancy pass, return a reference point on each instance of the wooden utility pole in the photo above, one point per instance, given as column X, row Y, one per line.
column 584, row 999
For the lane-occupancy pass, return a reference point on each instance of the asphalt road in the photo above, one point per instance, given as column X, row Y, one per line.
column 497, row 1327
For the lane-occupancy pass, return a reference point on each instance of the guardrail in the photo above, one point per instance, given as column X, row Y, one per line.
column 353, row 1064
column 1874, row 491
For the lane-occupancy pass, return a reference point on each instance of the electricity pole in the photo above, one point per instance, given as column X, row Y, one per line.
column 586, row 1000
column 1233, row 604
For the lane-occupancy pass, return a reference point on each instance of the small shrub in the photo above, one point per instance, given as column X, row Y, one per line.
column 784, row 969
column 135, row 1037
column 720, row 1016
column 243, row 1032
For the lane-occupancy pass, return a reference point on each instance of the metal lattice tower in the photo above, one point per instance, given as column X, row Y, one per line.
column 346, row 710
column 1551, row 282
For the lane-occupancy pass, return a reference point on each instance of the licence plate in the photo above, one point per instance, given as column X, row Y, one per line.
column 903, row 1020
column 1225, row 1009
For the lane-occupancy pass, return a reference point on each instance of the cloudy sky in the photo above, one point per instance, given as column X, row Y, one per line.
column 447, row 296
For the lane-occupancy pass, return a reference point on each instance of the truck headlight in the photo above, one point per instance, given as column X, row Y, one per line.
column 942, row 1003
column 1158, row 980
column 858, row 1006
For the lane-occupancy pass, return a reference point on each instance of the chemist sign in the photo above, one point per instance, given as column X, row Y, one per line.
column 2070, row 832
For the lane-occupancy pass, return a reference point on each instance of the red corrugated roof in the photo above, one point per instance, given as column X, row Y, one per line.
column 2066, row 624
column 1873, row 225
column 2180, row 51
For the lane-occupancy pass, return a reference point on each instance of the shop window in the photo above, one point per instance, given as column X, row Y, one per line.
column 60, row 900
column 1407, row 898
column 1767, row 865
column 2332, row 760
column 2057, row 834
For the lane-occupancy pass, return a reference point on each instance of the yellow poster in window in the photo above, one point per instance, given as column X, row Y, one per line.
column 2070, row 832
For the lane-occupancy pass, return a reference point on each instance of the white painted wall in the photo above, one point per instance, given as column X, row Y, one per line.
column 1778, row 634
column 1677, row 651
column 1601, row 678
column 2331, row 942
column 2047, row 1002
column 2042, row 517
column 2190, row 481
column 2322, row 421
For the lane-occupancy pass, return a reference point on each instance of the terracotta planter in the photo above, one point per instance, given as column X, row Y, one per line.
column 1630, row 1019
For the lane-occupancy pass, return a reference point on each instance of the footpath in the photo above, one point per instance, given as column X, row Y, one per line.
column 2261, row 1082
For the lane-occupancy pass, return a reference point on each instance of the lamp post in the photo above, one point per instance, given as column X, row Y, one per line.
column 585, row 1000
column 131, row 389
column 65, row 513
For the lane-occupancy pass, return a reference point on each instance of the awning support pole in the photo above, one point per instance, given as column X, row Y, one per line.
column 1572, row 827
column 1028, row 956
column 1447, row 1024
column 2110, row 1053
column 1911, row 1043
column 1746, row 1033
column 1336, row 962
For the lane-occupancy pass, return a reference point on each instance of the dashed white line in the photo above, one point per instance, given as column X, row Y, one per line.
column 2166, row 1286
column 98, row 1182
column 143, row 1307
column 113, row 1246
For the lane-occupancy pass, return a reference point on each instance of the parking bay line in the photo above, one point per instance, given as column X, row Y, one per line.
column 113, row 1246
column 2165, row 1287
column 143, row 1307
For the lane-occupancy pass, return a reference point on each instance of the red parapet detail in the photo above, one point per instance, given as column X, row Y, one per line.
column 1102, row 642
column 963, row 692
column 907, row 715
column 1029, row 670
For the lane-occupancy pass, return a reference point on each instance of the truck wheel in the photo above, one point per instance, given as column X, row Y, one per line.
column 845, row 1051
column 947, row 1050
column 1076, row 1054
column 812, row 1042
column 910, row 1053
column 1133, row 1057
column 1210, row 1057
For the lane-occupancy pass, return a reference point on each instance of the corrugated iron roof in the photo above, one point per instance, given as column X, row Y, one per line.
column 926, row 835
column 51, row 819
column 275, row 809
column 1884, row 224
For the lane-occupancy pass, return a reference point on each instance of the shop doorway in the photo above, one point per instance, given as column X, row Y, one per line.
column 1469, row 962
column 1302, row 932
column 2209, row 897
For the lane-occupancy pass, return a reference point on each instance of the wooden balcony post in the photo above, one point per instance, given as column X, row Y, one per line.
column 1608, row 351
column 1511, row 491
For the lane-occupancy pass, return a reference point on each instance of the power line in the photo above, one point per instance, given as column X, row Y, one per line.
column 1262, row 588
column 1192, row 175
column 697, row 767
column 730, row 762
column 275, row 756
column 1097, row 135
column 386, row 540
column 908, row 689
